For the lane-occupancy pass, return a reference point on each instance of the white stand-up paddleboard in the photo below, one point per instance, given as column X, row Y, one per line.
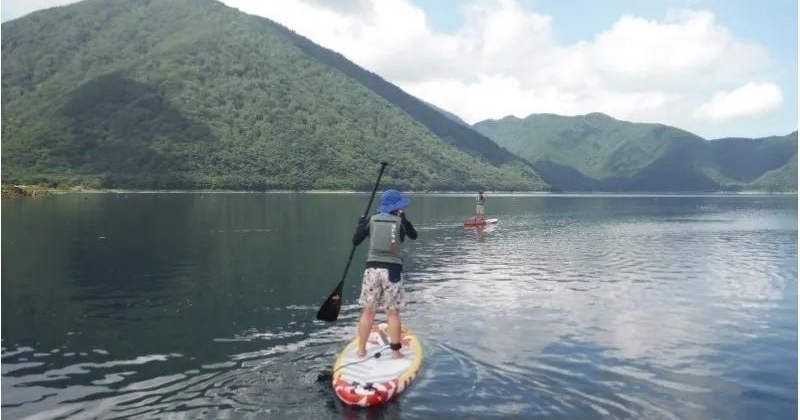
column 369, row 381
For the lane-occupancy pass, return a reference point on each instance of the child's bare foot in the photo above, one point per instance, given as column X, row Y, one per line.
column 396, row 354
column 361, row 353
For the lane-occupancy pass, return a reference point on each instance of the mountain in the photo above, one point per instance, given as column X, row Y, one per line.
column 194, row 94
column 597, row 152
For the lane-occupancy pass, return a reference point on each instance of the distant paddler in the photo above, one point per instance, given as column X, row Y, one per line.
column 479, row 206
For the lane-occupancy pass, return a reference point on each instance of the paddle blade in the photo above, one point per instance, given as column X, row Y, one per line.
column 329, row 311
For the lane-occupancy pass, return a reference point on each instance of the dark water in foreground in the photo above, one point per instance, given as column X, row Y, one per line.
column 202, row 305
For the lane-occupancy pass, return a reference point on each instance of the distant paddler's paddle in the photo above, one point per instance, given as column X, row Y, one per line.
column 330, row 309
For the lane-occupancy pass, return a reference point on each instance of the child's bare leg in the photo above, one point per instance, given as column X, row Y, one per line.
column 394, row 329
column 364, row 328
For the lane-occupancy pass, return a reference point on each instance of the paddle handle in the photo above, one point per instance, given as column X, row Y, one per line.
column 375, row 190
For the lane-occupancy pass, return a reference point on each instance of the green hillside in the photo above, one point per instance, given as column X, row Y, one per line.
column 597, row 152
column 783, row 178
column 193, row 94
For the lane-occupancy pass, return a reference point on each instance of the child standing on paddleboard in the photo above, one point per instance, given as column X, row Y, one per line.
column 383, row 276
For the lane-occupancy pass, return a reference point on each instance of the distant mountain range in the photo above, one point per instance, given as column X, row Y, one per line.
column 595, row 152
column 194, row 94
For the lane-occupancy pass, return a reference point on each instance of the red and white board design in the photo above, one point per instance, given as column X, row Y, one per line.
column 370, row 381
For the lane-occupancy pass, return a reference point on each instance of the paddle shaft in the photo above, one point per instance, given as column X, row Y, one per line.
column 366, row 214
column 333, row 303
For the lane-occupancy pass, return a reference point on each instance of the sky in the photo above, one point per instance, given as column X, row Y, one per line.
column 718, row 68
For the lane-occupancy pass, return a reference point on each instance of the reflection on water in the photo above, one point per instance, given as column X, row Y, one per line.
column 202, row 305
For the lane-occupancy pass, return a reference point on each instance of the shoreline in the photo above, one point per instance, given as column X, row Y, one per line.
column 32, row 191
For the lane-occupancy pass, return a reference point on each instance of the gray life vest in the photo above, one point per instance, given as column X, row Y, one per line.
column 384, row 239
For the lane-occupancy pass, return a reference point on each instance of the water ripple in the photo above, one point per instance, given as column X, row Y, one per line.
column 584, row 307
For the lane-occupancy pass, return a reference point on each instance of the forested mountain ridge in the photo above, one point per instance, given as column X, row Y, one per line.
column 194, row 94
column 598, row 153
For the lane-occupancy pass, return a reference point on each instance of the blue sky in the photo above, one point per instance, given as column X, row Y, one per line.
column 717, row 68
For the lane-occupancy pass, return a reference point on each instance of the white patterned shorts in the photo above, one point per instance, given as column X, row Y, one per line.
column 376, row 289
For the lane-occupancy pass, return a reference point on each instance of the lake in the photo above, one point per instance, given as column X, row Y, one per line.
column 201, row 305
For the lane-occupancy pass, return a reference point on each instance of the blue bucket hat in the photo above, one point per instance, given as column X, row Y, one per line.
column 392, row 200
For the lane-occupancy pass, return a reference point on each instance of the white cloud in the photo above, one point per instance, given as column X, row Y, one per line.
column 750, row 100
column 344, row 6
column 498, row 96
column 505, row 59
column 12, row 9
column 688, row 47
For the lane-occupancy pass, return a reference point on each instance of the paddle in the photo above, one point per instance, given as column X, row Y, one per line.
column 330, row 309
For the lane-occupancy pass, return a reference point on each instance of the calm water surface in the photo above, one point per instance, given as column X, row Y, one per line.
column 575, row 307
